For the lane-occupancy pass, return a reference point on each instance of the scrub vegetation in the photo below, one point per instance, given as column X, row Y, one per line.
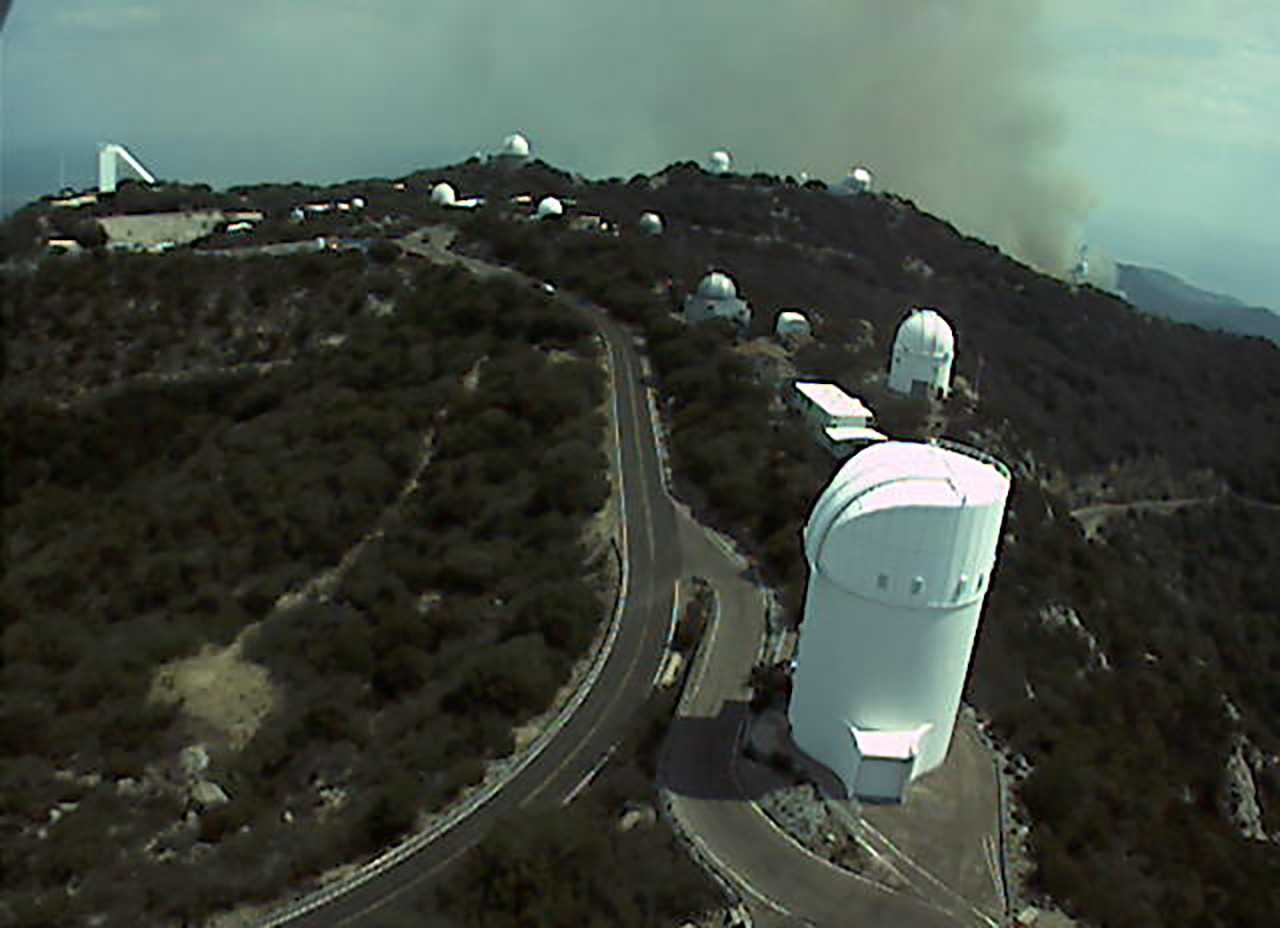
column 153, row 514
column 224, row 470
column 1087, row 400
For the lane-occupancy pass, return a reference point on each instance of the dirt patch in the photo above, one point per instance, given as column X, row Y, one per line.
column 153, row 228
column 219, row 691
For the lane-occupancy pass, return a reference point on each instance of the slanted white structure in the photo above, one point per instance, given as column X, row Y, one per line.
column 923, row 351
column 792, row 322
column 443, row 194
column 549, row 208
column 650, row 223
column 900, row 545
column 857, row 181
column 515, row 145
column 840, row 422
column 716, row 298
column 114, row 162
column 720, row 162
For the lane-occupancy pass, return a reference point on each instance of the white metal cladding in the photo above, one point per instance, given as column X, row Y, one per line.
column 515, row 146
column 549, row 207
column 651, row 223
column 443, row 194
column 923, row 351
column 901, row 546
column 110, row 159
column 720, row 161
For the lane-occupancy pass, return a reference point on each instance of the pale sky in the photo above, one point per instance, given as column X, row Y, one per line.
column 1150, row 128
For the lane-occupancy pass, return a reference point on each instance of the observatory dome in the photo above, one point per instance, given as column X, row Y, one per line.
column 549, row 208
column 651, row 223
column 924, row 332
column 923, row 351
column 442, row 194
column 516, row 145
column 720, row 161
column 901, row 545
column 717, row 286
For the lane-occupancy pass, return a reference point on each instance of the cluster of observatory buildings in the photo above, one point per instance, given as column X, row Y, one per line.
column 901, row 544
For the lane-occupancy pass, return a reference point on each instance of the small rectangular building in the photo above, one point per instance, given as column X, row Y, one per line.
column 825, row 405
column 843, row 440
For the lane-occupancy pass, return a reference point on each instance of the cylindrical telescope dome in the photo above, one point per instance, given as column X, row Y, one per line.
column 550, row 208
column 901, row 545
column 720, row 161
column 651, row 223
column 442, row 194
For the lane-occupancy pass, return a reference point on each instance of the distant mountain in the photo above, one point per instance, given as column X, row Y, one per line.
column 1168, row 296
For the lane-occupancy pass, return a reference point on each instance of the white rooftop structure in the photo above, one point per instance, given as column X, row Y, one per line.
column 720, row 162
column 833, row 405
column 858, row 180
column 115, row 161
column 716, row 297
column 923, row 351
column 901, row 545
column 792, row 322
column 442, row 194
column 651, row 223
column 515, row 145
column 549, row 208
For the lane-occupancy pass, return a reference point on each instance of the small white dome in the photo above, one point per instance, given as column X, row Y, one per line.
column 549, row 207
column 516, row 145
column 443, row 194
column 717, row 286
column 651, row 223
column 720, row 161
column 925, row 334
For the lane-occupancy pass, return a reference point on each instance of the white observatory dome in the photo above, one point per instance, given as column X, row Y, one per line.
column 442, row 194
column 720, row 162
column 717, row 286
column 792, row 322
column 516, row 145
column 900, row 545
column 923, row 351
column 549, row 208
column 651, row 223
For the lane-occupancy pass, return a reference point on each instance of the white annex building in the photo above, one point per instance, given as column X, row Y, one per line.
column 923, row 351
column 841, row 423
column 716, row 298
column 115, row 162
column 900, row 545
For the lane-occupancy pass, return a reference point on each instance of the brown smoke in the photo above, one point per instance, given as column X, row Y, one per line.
column 942, row 99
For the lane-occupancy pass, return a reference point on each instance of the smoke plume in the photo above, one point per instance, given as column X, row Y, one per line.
column 940, row 98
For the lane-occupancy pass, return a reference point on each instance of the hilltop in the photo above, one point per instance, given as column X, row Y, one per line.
column 1124, row 671
column 1167, row 295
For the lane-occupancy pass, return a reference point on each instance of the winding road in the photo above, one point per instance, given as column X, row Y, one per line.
column 780, row 884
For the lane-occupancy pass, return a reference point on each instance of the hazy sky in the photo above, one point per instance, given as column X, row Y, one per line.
column 1149, row 127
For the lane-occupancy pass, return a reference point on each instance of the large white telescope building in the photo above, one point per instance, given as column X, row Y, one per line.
column 115, row 160
column 901, row 546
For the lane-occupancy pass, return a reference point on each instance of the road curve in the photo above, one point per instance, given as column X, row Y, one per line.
column 625, row 680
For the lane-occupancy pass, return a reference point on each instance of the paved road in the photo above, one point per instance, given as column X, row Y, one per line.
column 781, row 884
column 626, row 679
